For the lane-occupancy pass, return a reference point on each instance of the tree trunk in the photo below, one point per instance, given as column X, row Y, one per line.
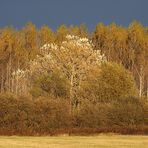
column 147, row 89
column 2, row 80
column 141, row 82
column 71, row 90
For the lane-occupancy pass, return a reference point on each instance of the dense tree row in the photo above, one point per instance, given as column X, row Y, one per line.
column 73, row 78
column 126, row 46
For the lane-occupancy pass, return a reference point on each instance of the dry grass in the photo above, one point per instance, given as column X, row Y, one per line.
column 101, row 141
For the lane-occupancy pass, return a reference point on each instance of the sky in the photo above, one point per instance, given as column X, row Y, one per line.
column 54, row 13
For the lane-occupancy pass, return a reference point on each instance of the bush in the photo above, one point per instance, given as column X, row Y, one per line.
column 50, row 85
column 26, row 116
column 92, row 115
column 15, row 113
column 125, row 112
column 128, row 112
column 51, row 114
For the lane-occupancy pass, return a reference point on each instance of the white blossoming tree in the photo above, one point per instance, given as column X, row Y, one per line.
column 74, row 58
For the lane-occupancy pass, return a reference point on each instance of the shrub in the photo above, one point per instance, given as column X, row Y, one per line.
column 124, row 112
column 128, row 112
column 26, row 116
column 50, row 85
column 51, row 114
column 92, row 115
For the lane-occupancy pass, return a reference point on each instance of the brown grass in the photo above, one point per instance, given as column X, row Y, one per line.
column 101, row 141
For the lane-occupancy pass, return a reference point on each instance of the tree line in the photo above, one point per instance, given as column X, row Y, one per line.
column 74, row 79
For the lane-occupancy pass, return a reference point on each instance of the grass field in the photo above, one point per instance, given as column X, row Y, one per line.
column 101, row 141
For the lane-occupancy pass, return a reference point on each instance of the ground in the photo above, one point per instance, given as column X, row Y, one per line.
column 101, row 141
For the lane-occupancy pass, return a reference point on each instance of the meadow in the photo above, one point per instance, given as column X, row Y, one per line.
column 100, row 141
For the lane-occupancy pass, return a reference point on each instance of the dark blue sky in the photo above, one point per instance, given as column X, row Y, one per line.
column 72, row 12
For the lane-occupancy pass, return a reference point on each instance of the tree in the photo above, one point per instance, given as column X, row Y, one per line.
column 31, row 40
column 46, row 35
column 112, row 82
column 99, row 38
column 61, row 33
column 139, row 44
column 126, row 46
column 73, row 59
column 11, row 53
